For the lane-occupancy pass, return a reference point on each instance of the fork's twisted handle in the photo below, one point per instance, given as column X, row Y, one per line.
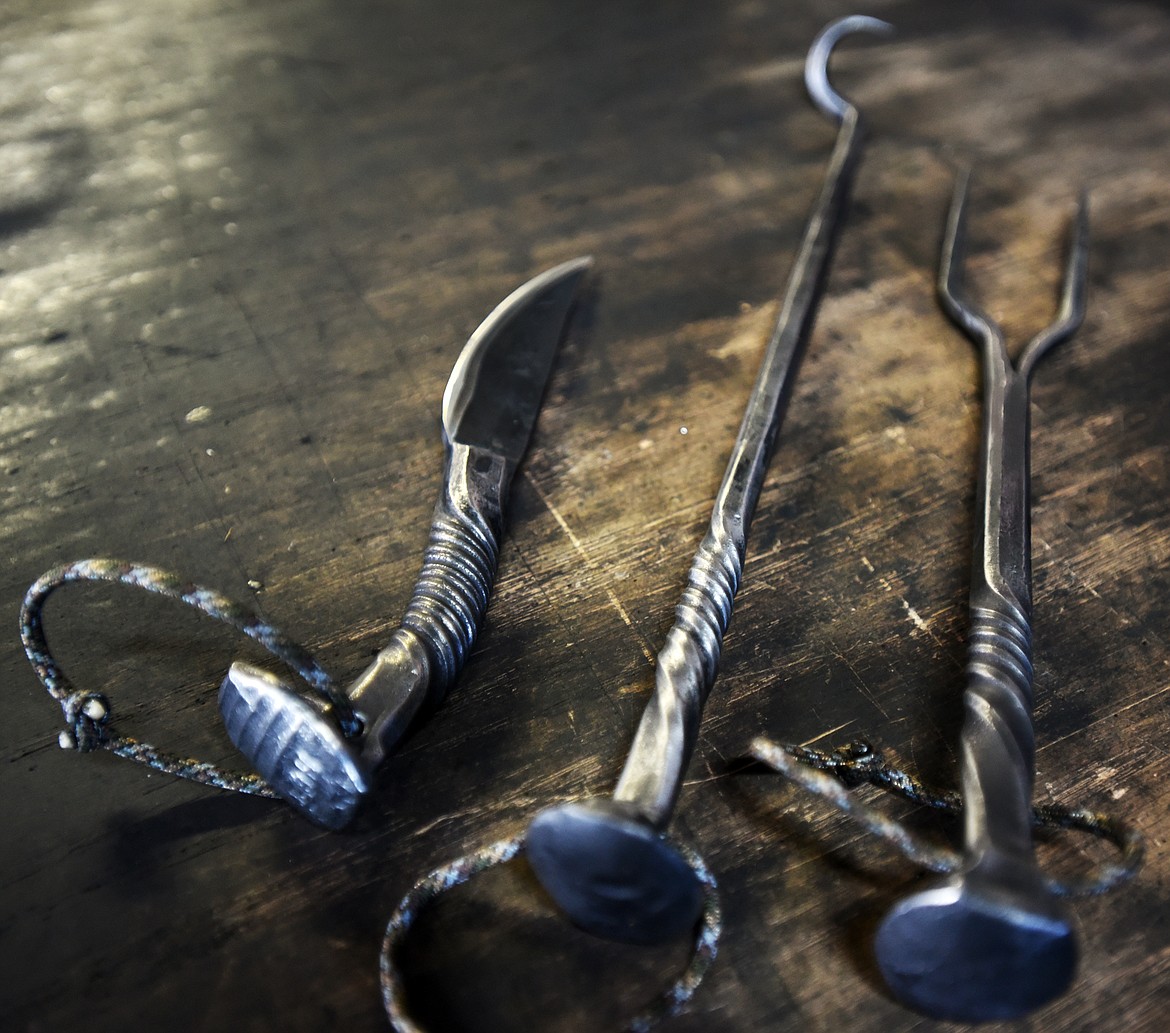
column 992, row 941
column 997, row 742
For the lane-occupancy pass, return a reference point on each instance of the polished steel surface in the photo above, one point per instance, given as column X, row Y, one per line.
column 993, row 942
column 489, row 409
column 496, row 386
column 571, row 855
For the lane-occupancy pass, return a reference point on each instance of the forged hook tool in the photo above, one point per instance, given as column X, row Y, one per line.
column 993, row 941
column 605, row 861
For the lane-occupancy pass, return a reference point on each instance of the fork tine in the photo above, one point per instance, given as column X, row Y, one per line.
column 978, row 325
column 1072, row 299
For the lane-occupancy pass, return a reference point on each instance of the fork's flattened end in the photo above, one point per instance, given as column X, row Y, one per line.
column 611, row 872
column 292, row 745
column 965, row 953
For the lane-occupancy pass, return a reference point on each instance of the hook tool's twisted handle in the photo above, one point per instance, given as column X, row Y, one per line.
column 685, row 672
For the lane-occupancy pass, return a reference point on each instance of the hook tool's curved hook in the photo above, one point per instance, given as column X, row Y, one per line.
column 816, row 65
column 605, row 860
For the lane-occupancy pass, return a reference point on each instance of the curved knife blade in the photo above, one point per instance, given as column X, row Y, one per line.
column 495, row 389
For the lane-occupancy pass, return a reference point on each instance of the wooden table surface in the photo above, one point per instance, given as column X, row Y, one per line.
column 242, row 243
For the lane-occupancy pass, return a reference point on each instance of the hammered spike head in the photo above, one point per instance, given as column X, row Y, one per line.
column 293, row 745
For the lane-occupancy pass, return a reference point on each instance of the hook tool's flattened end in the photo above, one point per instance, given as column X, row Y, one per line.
column 292, row 745
column 816, row 65
column 612, row 873
column 967, row 953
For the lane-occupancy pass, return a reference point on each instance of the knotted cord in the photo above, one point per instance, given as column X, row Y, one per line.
column 88, row 712
column 831, row 774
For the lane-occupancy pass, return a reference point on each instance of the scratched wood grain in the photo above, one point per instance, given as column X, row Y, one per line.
column 243, row 242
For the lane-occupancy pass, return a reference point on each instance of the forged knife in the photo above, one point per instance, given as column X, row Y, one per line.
column 323, row 762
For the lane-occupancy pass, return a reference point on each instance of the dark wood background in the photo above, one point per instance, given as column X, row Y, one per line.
column 242, row 242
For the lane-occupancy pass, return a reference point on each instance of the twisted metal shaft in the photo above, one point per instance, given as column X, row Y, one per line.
column 454, row 586
column 993, row 940
column 451, row 594
column 997, row 741
column 688, row 662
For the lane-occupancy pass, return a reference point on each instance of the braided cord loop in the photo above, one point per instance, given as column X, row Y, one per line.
column 88, row 713
column 431, row 886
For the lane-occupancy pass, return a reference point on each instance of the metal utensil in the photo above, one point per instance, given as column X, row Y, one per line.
column 604, row 861
column 993, row 941
column 321, row 760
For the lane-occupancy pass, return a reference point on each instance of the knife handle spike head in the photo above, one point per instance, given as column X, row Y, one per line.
column 293, row 744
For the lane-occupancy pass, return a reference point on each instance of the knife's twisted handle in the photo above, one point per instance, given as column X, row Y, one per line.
column 426, row 653
column 459, row 566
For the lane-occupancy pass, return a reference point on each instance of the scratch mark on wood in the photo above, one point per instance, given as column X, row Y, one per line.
column 1111, row 716
column 913, row 614
column 825, row 735
column 600, row 682
column 363, row 299
column 579, row 548
column 865, row 690
column 294, row 401
column 918, row 622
